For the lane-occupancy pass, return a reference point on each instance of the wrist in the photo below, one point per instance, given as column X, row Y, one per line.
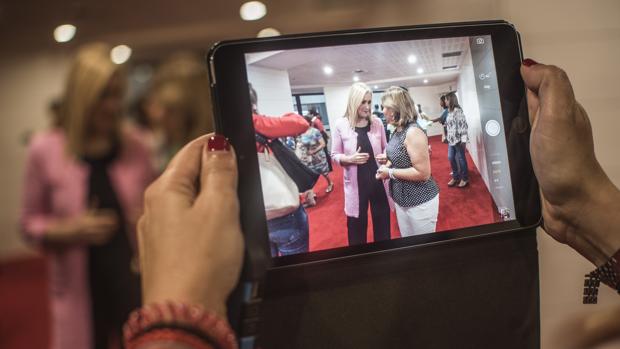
column 594, row 216
column 604, row 219
column 204, row 292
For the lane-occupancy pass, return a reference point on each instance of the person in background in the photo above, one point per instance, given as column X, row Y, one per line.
column 408, row 166
column 82, row 196
column 457, row 137
column 357, row 138
column 441, row 118
column 287, row 220
column 317, row 121
column 310, row 150
column 176, row 108
column 377, row 112
column 212, row 226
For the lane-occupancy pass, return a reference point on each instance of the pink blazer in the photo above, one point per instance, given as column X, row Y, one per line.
column 55, row 187
column 344, row 142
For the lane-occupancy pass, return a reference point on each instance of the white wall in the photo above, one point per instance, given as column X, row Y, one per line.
column 336, row 98
column 273, row 89
column 468, row 99
column 28, row 85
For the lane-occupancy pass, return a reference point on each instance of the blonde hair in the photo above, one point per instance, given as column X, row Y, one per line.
column 356, row 97
column 181, row 82
column 399, row 100
column 90, row 73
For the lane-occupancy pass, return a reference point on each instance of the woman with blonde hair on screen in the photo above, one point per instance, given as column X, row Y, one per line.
column 83, row 188
column 408, row 166
column 356, row 139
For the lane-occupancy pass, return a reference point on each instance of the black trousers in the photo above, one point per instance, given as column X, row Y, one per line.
column 373, row 194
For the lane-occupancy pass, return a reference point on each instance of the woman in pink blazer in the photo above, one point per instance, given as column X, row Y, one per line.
column 83, row 190
column 357, row 139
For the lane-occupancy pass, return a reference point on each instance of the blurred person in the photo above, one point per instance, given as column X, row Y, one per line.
column 377, row 112
column 211, row 162
column 177, row 107
column 310, row 150
column 441, row 118
column 82, row 196
column 457, row 137
column 55, row 110
column 357, row 138
column 407, row 166
column 287, row 220
column 317, row 121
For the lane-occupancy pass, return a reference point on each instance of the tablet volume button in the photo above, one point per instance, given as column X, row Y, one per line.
column 212, row 72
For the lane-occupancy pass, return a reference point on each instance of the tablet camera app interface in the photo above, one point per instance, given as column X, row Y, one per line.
column 370, row 142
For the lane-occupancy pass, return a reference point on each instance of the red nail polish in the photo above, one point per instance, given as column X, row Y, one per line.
column 528, row 62
column 218, row 143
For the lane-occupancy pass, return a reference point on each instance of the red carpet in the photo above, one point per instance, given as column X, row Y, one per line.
column 458, row 208
column 24, row 312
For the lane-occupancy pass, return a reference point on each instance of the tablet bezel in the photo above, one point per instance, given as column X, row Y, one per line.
column 228, row 76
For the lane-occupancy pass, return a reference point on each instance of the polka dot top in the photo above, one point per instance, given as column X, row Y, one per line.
column 407, row 193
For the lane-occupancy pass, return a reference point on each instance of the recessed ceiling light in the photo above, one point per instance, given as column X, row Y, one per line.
column 252, row 10
column 64, row 33
column 268, row 32
column 356, row 78
column 375, row 87
column 120, row 54
column 420, row 70
column 412, row 59
column 426, row 81
column 328, row 70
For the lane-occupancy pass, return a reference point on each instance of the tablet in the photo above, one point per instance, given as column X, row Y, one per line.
column 325, row 97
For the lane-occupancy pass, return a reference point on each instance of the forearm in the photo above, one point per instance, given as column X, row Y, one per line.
column 345, row 160
column 598, row 221
column 410, row 174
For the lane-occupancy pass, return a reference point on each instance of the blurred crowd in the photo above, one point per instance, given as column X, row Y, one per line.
column 85, row 178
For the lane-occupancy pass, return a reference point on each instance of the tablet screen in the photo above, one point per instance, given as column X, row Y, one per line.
column 407, row 138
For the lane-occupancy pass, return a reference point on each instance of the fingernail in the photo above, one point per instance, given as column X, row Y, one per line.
column 218, row 143
column 528, row 62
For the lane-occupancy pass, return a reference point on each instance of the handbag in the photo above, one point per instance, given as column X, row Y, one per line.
column 304, row 177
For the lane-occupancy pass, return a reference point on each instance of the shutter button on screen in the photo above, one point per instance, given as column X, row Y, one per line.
column 492, row 128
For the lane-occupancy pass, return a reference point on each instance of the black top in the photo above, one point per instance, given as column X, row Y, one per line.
column 366, row 172
column 407, row 193
column 115, row 289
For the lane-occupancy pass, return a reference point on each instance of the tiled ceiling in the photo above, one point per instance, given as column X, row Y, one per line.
column 382, row 64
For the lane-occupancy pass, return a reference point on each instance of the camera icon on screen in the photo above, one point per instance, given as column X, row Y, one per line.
column 480, row 41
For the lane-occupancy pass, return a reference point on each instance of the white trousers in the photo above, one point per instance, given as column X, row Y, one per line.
column 416, row 220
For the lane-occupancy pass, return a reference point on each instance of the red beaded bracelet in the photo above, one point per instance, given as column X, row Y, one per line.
column 192, row 320
column 167, row 335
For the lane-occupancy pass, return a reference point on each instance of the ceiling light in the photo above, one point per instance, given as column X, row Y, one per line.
column 420, row 70
column 120, row 54
column 426, row 81
column 328, row 70
column 412, row 59
column 252, row 10
column 64, row 33
column 375, row 87
column 268, row 32
column 356, row 78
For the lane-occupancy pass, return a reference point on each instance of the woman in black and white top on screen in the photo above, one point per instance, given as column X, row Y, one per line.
column 407, row 165
column 456, row 135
